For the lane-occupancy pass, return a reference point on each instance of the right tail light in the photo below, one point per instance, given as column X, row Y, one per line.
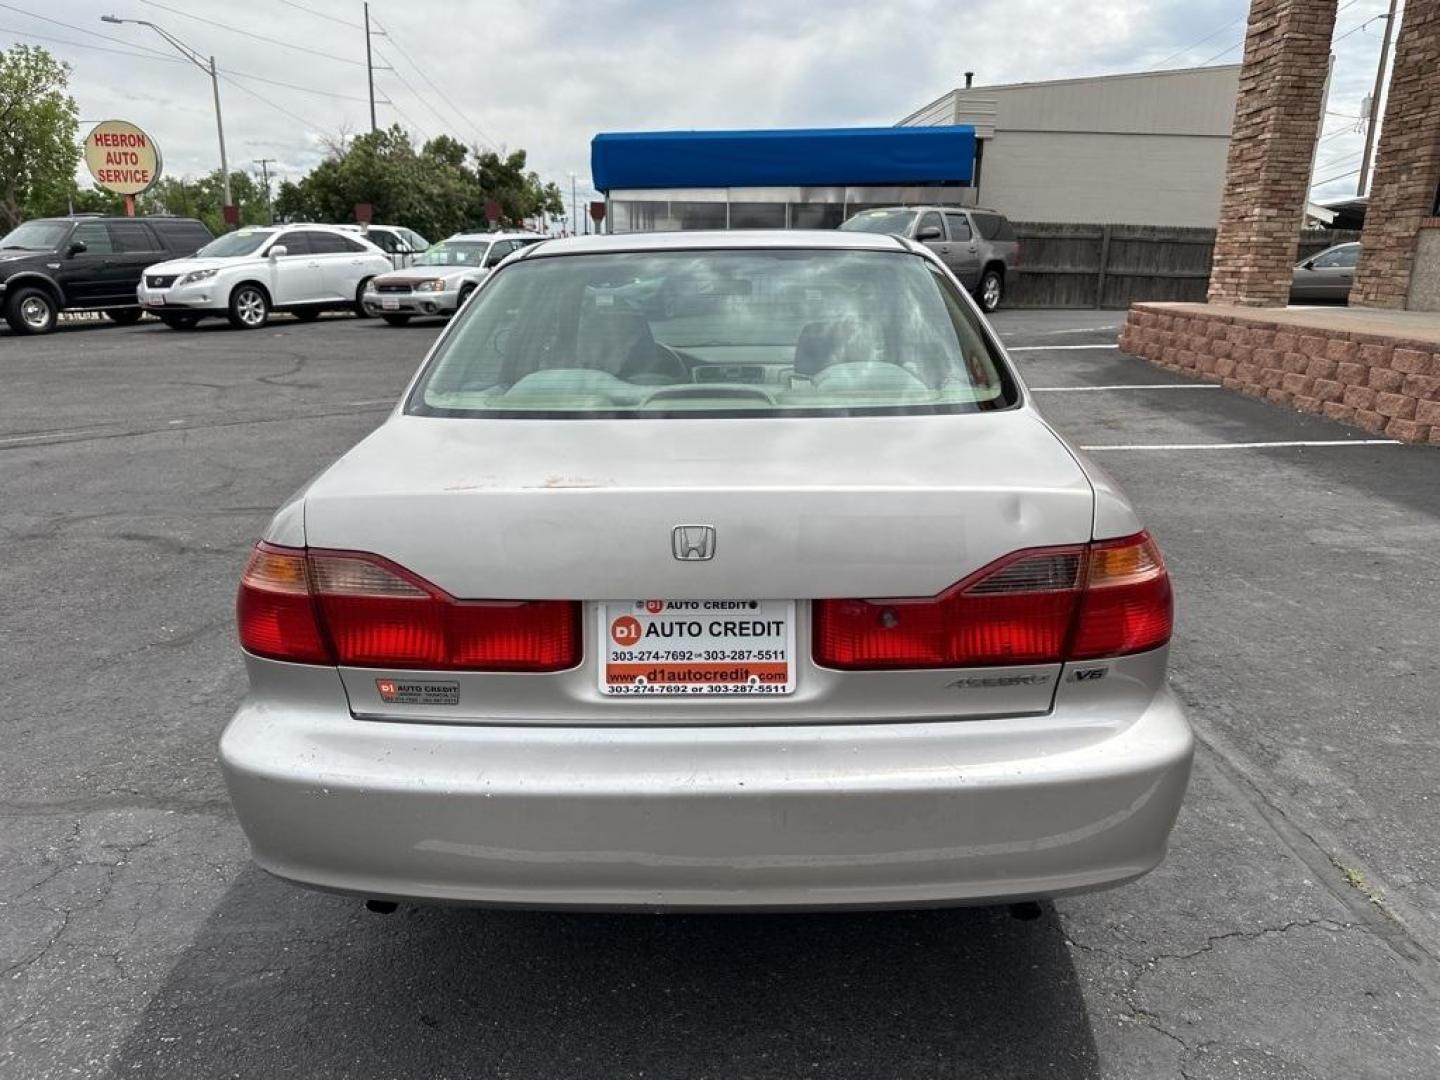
column 1041, row 605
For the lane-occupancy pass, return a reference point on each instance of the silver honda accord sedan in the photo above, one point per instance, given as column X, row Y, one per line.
column 781, row 594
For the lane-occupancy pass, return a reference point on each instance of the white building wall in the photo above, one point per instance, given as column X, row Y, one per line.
column 1104, row 178
column 1142, row 149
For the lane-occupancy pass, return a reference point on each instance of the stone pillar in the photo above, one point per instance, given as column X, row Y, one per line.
column 1267, row 176
column 1407, row 166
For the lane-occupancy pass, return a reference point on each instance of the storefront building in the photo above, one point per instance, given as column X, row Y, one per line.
column 781, row 179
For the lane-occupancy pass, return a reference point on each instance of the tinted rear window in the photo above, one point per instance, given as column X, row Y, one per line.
column 714, row 333
column 181, row 235
column 994, row 227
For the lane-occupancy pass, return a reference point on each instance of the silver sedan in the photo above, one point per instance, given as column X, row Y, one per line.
column 781, row 596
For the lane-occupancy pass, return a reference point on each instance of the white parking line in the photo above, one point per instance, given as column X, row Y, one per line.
column 1054, row 348
column 40, row 435
column 1246, row 445
column 1124, row 386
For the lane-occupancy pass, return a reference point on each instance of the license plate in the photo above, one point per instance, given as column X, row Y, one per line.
column 697, row 648
column 389, row 304
column 155, row 301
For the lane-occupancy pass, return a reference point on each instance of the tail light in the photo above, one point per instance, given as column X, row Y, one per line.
column 310, row 606
column 1037, row 606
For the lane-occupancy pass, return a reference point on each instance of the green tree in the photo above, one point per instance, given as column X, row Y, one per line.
column 203, row 198
column 440, row 189
column 39, row 127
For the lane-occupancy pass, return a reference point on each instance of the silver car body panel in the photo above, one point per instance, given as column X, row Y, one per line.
column 862, row 788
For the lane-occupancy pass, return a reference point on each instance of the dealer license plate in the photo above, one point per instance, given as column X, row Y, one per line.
column 735, row 648
column 389, row 304
column 155, row 301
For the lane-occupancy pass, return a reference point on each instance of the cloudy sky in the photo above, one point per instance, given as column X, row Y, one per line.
column 547, row 74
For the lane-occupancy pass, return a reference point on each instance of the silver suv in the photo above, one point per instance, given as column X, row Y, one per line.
column 979, row 246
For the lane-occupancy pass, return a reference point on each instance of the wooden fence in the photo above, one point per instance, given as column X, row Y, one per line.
column 1112, row 266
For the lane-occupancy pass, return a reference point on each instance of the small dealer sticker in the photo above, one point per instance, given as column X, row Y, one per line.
column 417, row 692
column 697, row 647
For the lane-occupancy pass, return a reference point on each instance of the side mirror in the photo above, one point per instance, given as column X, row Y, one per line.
column 930, row 232
column 1308, row 264
column 277, row 250
column 77, row 248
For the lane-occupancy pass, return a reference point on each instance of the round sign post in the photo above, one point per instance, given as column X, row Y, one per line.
column 122, row 159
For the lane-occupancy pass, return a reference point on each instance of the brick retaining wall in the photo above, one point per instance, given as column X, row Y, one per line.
column 1386, row 385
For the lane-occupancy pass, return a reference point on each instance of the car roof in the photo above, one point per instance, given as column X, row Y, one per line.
column 829, row 239
column 481, row 237
column 930, row 206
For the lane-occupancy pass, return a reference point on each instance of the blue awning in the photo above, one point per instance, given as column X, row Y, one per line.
column 808, row 157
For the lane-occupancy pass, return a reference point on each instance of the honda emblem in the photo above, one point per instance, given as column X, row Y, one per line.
column 693, row 543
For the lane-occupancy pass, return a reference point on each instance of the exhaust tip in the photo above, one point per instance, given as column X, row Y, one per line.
column 381, row 907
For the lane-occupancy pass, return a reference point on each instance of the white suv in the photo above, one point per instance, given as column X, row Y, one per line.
column 247, row 274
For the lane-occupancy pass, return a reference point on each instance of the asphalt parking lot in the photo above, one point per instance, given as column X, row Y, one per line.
column 1293, row 933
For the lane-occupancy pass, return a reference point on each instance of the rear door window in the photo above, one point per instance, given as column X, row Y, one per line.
column 296, row 243
column 958, row 226
column 132, row 238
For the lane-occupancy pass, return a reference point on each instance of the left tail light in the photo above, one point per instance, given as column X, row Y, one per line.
column 311, row 606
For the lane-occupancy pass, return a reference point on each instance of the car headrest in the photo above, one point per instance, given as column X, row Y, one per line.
column 615, row 341
column 838, row 341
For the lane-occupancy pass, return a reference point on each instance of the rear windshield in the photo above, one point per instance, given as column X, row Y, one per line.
column 727, row 333
column 894, row 222
column 243, row 242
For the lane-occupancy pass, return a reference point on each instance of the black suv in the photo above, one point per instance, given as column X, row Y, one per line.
column 85, row 263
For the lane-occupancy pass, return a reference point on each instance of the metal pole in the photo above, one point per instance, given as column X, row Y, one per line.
column 574, row 207
column 220, row 130
column 370, row 69
column 1375, row 100
column 265, row 163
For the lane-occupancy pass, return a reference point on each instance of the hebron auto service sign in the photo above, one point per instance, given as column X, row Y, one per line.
column 121, row 157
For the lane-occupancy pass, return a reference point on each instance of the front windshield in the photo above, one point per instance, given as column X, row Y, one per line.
column 453, row 253
column 241, row 242
column 895, row 222
column 734, row 332
column 35, row 236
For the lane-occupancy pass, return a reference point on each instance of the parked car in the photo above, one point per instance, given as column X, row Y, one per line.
column 979, row 246
column 85, row 263
column 247, row 274
column 440, row 279
column 798, row 603
column 1326, row 276
column 401, row 244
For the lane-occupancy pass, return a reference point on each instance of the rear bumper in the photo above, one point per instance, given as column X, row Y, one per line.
column 752, row 818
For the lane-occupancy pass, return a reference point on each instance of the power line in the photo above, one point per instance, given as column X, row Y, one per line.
column 1201, row 41
column 83, row 30
column 1238, row 44
column 1332, row 179
column 438, row 92
column 97, row 48
column 279, row 108
column 321, row 14
column 292, row 86
column 146, row 55
column 257, row 37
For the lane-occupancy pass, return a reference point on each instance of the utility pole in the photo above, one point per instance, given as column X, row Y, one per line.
column 265, row 163
column 1375, row 100
column 370, row 69
column 574, row 209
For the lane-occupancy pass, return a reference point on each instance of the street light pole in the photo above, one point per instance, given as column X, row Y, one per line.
column 206, row 65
